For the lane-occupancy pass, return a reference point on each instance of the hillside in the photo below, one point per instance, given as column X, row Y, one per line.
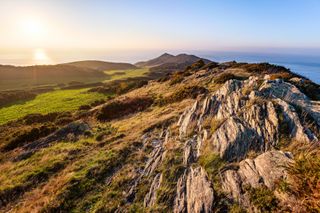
column 19, row 77
column 167, row 63
column 229, row 137
column 12, row 77
column 102, row 65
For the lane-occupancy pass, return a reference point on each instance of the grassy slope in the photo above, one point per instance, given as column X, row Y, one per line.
column 126, row 73
column 56, row 101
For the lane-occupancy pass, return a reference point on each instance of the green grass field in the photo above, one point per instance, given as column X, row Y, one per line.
column 127, row 73
column 55, row 101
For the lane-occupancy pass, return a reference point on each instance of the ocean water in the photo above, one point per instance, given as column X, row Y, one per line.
column 308, row 66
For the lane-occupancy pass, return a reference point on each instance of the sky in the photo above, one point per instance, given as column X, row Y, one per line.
column 52, row 31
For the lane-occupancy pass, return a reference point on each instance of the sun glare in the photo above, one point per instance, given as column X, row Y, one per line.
column 41, row 57
column 33, row 28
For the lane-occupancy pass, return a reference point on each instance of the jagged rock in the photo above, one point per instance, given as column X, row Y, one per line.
column 194, row 192
column 234, row 139
column 291, row 94
column 187, row 118
column 150, row 197
column 155, row 158
column 264, row 170
column 263, row 119
column 297, row 131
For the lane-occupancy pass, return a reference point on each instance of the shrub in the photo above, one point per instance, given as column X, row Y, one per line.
column 119, row 87
column 175, row 79
column 260, row 68
column 120, row 108
column 263, row 198
column 10, row 97
column 84, row 107
column 309, row 88
column 181, row 94
column 222, row 78
column 304, row 175
column 29, row 136
column 281, row 75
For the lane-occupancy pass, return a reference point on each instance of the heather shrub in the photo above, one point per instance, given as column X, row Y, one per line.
column 120, row 108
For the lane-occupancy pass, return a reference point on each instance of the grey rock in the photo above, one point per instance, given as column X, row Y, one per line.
column 194, row 192
column 264, row 170
column 151, row 196
column 234, row 139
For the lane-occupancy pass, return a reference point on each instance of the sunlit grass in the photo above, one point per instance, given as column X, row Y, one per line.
column 124, row 74
column 56, row 101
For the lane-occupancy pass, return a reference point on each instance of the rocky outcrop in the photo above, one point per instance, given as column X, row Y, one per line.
column 234, row 139
column 194, row 192
column 150, row 198
column 264, row 170
column 292, row 95
column 251, row 121
column 155, row 158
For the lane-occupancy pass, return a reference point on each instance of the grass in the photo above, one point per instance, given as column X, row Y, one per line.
column 124, row 74
column 263, row 199
column 304, row 176
column 55, row 101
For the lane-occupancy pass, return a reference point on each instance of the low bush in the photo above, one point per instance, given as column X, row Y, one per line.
column 181, row 94
column 223, row 77
column 304, row 175
column 260, row 68
column 263, row 199
column 119, row 87
column 29, row 136
column 10, row 97
column 120, row 108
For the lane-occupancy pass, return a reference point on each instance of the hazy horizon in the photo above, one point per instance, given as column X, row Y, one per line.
column 50, row 32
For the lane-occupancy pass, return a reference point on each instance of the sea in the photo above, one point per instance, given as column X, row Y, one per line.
column 307, row 66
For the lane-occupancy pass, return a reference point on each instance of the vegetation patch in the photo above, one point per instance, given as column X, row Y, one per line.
column 304, row 175
column 29, row 136
column 18, row 96
column 223, row 77
column 56, row 101
column 125, row 74
column 119, row 87
column 263, row 198
column 120, row 108
column 172, row 168
column 181, row 94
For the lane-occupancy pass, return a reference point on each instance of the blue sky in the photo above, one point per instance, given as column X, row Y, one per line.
column 157, row 25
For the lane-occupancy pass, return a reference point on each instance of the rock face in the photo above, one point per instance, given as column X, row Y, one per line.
column 248, row 116
column 151, row 196
column 234, row 139
column 194, row 192
column 251, row 121
column 291, row 95
column 264, row 170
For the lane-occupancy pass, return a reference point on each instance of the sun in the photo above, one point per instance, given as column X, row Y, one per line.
column 40, row 57
column 33, row 28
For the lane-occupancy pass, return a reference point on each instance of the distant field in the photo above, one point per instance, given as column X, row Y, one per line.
column 28, row 84
column 123, row 74
column 55, row 101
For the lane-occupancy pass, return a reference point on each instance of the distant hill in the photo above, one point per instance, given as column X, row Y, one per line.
column 14, row 77
column 167, row 63
column 171, row 59
column 102, row 65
